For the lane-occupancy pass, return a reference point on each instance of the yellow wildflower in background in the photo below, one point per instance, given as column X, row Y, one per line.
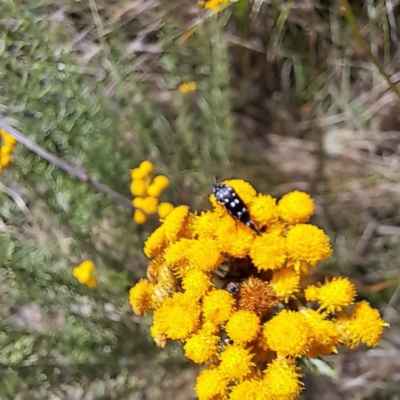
column 7, row 144
column 84, row 274
column 146, row 191
column 164, row 209
column 213, row 5
column 187, row 87
column 238, row 297
column 139, row 216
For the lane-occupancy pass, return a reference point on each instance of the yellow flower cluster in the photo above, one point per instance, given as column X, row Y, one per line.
column 213, row 5
column 84, row 274
column 146, row 191
column 238, row 298
column 187, row 87
column 7, row 143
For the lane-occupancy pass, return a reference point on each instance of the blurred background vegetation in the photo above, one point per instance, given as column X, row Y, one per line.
column 289, row 96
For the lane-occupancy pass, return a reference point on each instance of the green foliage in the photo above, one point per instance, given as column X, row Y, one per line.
column 58, row 336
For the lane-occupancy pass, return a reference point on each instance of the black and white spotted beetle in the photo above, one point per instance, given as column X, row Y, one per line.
column 226, row 195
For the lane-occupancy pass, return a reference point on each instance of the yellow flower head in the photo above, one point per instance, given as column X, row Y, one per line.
column 138, row 187
column 6, row 139
column 137, row 202
column 196, row 284
column 263, row 210
column 333, row 295
column 84, row 274
column 176, row 223
column 92, row 283
column 140, row 297
column 7, row 143
column 206, row 224
column 286, row 283
column 178, row 317
column 176, row 255
column 161, row 181
column 362, row 325
column 164, row 209
column 188, row 87
column 308, row 243
column 325, row 336
column 146, row 167
column 213, row 5
column 210, row 327
column 139, row 217
column 235, row 362
column 218, row 306
column 149, row 205
column 288, row 333
column 278, row 227
column 137, row 174
column 296, row 207
column 211, row 384
column 155, row 243
column 283, row 380
column 256, row 295
column 251, row 389
column 367, row 323
column 201, row 347
column 204, row 254
column 241, row 237
column 268, row 251
column 243, row 326
column 154, row 190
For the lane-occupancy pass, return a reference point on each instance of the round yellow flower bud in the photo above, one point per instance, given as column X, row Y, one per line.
column 146, row 167
column 149, row 205
column 137, row 202
column 140, row 217
column 138, row 187
column 296, row 207
column 154, row 190
column 164, row 209
column 137, row 173
column 161, row 181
